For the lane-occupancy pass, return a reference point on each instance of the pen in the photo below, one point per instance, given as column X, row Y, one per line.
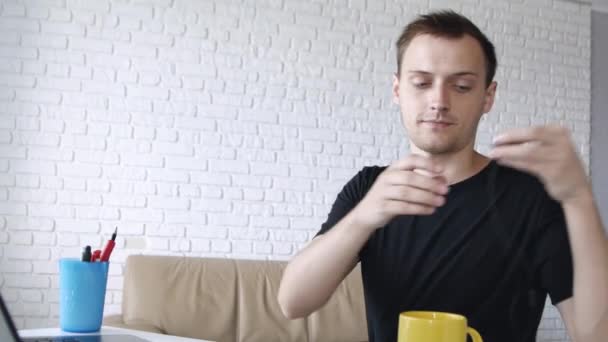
column 86, row 254
column 107, row 250
column 96, row 255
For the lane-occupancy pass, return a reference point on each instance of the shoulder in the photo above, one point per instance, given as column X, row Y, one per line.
column 527, row 193
column 360, row 183
column 517, row 180
column 370, row 172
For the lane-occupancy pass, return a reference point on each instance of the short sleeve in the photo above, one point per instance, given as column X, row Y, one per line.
column 349, row 197
column 554, row 255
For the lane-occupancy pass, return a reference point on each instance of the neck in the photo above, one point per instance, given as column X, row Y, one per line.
column 458, row 165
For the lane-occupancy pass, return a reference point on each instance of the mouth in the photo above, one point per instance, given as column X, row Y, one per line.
column 436, row 123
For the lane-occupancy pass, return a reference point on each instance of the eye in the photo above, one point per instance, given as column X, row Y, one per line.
column 462, row 88
column 421, row 85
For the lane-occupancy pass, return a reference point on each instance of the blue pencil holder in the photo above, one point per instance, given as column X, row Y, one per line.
column 82, row 292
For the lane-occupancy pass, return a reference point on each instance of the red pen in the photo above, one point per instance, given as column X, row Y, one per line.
column 107, row 250
column 96, row 255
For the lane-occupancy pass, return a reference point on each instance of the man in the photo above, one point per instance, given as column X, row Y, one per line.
column 449, row 229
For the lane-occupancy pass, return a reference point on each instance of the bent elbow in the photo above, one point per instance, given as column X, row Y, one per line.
column 289, row 308
column 289, row 313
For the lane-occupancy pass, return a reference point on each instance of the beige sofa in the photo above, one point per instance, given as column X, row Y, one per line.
column 229, row 300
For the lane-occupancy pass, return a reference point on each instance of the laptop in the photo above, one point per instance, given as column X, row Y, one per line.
column 8, row 333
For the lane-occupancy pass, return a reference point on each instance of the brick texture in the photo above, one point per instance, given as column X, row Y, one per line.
column 226, row 128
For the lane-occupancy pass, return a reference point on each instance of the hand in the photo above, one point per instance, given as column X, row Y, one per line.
column 548, row 153
column 410, row 186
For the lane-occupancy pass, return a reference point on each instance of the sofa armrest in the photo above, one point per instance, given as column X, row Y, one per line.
column 118, row 322
column 113, row 320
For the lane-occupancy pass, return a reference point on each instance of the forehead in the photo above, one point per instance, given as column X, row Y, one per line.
column 439, row 54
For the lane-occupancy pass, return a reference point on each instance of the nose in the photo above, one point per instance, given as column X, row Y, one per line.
column 440, row 98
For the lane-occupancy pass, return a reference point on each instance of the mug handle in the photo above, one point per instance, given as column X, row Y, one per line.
column 474, row 335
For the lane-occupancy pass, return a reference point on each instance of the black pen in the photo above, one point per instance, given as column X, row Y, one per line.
column 86, row 254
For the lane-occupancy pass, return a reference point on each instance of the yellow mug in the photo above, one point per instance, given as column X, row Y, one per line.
column 431, row 326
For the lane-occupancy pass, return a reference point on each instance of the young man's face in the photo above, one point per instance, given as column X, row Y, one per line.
column 442, row 93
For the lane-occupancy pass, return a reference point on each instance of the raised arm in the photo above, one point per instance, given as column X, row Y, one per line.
column 549, row 153
column 313, row 275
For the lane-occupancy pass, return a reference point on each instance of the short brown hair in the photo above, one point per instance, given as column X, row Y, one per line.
column 448, row 24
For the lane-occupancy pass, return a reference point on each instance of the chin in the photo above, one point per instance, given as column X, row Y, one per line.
column 436, row 149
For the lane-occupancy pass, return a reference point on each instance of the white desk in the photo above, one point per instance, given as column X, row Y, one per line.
column 106, row 330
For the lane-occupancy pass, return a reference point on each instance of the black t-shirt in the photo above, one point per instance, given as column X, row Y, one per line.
column 492, row 253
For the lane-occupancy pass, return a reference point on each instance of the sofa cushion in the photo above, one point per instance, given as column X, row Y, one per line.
column 232, row 300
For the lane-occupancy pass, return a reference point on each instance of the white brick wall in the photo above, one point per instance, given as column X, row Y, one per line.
column 226, row 128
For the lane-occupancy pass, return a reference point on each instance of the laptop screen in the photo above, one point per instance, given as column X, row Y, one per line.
column 8, row 333
column 7, row 329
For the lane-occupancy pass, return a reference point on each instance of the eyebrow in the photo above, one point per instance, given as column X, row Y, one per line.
column 460, row 73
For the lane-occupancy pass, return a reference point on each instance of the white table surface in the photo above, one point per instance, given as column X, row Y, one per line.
column 107, row 330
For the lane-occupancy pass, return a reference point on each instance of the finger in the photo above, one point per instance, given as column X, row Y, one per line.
column 547, row 134
column 413, row 161
column 519, row 165
column 413, row 195
column 408, row 208
column 520, row 135
column 525, row 151
column 411, row 179
column 428, row 174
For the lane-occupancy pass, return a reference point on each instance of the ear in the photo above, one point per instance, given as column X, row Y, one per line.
column 489, row 96
column 395, row 89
